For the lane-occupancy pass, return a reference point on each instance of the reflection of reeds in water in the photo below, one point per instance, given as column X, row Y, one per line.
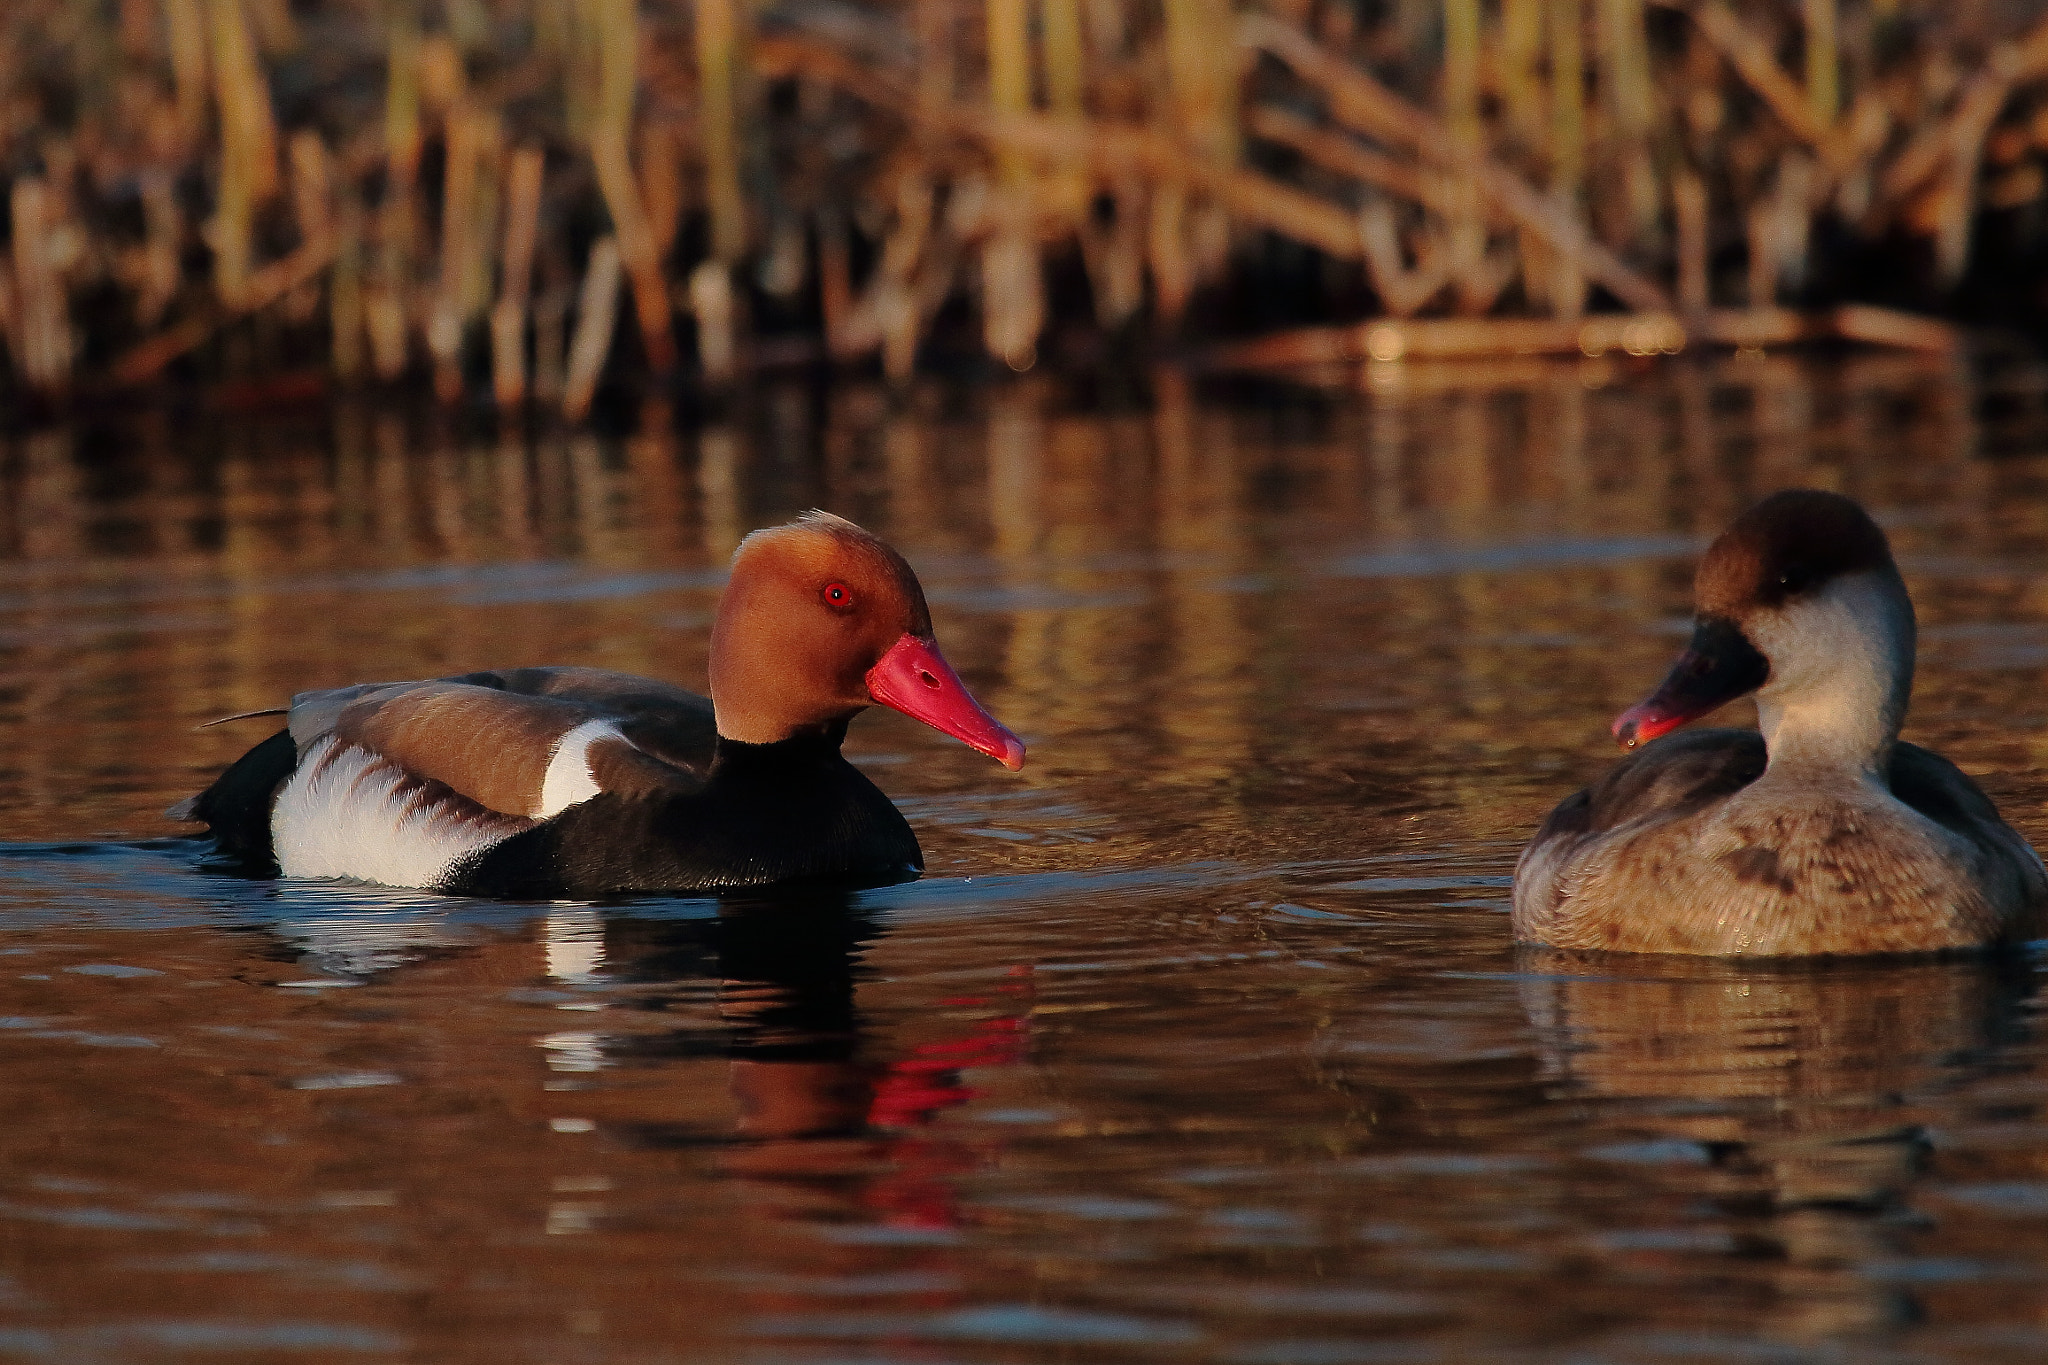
column 1438, row 451
column 1157, row 593
column 1581, row 151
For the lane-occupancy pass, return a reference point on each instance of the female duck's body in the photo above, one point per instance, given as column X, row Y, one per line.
column 551, row 782
column 1823, row 834
column 1693, row 846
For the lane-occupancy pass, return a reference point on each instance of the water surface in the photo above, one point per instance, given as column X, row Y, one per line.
column 1202, row 1041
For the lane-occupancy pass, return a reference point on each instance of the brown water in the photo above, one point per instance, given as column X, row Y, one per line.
column 1203, row 1039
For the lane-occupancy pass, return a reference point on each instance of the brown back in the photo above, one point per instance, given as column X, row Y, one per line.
column 492, row 746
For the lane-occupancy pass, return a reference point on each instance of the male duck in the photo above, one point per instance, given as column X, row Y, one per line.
column 1824, row 833
column 577, row 782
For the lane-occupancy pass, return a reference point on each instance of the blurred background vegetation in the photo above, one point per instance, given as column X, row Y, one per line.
column 521, row 201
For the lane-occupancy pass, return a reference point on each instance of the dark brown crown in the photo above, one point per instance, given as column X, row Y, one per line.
column 1786, row 546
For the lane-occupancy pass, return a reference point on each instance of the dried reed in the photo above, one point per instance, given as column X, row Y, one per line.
column 596, row 318
column 1670, row 167
column 248, row 163
column 522, row 236
column 44, row 332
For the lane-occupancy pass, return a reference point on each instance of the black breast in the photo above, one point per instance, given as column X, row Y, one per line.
column 791, row 812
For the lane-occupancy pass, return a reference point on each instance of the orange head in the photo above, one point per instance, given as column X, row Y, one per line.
column 822, row 619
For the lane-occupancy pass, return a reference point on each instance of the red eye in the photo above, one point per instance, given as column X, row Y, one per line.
column 838, row 595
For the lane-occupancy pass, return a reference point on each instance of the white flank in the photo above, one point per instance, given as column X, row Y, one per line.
column 569, row 779
column 347, row 818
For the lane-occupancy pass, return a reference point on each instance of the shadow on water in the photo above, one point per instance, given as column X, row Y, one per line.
column 1203, row 1040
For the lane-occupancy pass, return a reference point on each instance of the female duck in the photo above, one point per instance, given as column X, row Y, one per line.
column 1822, row 834
column 553, row 782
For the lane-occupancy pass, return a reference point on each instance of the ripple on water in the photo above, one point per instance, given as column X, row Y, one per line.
column 1204, row 1044
column 1088, row 1208
column 347, row 1080
column 1335, row 1351
column 1022, row 1324
column 2008, row 1198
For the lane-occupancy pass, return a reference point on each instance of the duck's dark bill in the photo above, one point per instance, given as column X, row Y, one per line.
column 914, row 678
column 1717, row 667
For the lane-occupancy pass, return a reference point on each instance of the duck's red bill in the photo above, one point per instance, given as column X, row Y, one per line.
column 1719, row 666
column 914, row 678
column 1650, row 718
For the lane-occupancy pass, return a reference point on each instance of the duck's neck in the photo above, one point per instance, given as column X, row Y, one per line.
column 765, row 706
column 736, row 757
column 756, row 707
column 1841, row 675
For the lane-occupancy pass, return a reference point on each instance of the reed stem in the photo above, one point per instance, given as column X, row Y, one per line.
column 718, row 64
column 248, row 164
column 1166, row 243
column 1565, row 19
column 164, row 224
column 596, row 319
column 637, row 249
column 312, row 193
column 385, row 294
column 1012, row 290
column 522, row 235
column 1631, row 108
column 468, row 202
column 711, row 301
column 1066, row 60
column 1461, row 116
column 1201, row 76
column 835, row 282
column 185, row 25
column 619, row 48
column 1566, row 283
column 44, row 326
column 277, row 33
column 402, row 98
column 1689, row 214
column 937, row 79
column 1823, row 61
column 1521, row 56
column 345, row 310
column 1009, row 72
column 312, row 185
column 662, row 153
column 550, row 330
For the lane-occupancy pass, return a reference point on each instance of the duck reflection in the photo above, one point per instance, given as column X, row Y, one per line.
column 1801, row 1086
column 828, row 1127
column 657, row 990
column 785, row 972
